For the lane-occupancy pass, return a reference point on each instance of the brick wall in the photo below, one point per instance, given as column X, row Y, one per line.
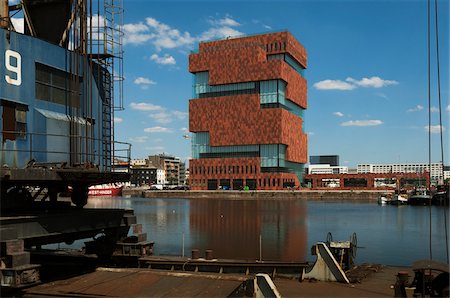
column 239, row 119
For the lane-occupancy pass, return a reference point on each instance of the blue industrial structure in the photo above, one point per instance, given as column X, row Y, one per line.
column 52, row 111
column 57, row 99
column 57, row 105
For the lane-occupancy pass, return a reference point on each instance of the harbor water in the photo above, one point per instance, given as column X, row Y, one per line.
column 285, row 230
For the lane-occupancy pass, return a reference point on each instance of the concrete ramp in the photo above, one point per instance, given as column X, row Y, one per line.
column 326, row 268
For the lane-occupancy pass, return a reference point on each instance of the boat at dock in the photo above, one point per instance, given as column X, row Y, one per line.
column 393, row 199
column 420, row 197
column 112, row 190
column 441, row 196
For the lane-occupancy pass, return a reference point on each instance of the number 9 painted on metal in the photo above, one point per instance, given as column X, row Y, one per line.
column 17, row 68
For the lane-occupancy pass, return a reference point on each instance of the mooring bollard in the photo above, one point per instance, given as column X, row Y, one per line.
column 208, row 254
column 195, row 254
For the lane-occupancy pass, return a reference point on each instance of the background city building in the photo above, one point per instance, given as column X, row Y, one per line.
column 332, row 160
column 143, row 175
column 246, row 116
column 170, row 165
column 326, row 169
column 158, row 169
column 436, row 173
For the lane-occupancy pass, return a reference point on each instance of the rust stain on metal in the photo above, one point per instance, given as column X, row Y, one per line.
column 140, row 283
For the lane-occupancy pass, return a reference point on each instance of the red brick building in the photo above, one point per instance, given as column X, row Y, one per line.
column 246, row 116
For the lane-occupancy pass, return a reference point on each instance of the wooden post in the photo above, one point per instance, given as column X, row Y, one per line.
column 4, row 14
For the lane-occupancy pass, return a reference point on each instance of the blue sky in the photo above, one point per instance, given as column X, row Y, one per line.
column 367, row 73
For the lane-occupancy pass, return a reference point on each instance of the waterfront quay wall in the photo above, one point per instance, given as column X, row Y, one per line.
column 352, row 195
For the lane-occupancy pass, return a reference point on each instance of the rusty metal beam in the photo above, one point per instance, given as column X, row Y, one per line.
column 4, row 14
column 69, row 23
column 27, row 18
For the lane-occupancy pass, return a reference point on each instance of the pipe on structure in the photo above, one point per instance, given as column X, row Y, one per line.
column 4, row 14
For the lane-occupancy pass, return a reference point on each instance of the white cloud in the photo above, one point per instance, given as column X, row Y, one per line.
column 144, row 82
column 434, row 128
column 227, row 21
column 135, row 28
column 339, row 114
column 18, row 23
column 350, row 83
column 219, row 32
column 415, row 109
column 362, row 123
column 118, row 120
column 434, row 109
column 165, row 60
column 136, row 33
column 141, row 139
column 373, row 82
column 155, row 148
column 162, row 36
column 310, row 133
column 159, row 34
column 333, row 85
column 448, row 108
column 164, row 117
column 180, row 115
column 142, row 106
column 161, row 117
column 166, row 37
column 382, row 95
column 257, row 22
column 158, row 129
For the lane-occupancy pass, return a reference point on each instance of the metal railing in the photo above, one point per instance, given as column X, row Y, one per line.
column 71, row 150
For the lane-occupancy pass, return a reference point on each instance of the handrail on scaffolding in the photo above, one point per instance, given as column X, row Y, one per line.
column 120, row 156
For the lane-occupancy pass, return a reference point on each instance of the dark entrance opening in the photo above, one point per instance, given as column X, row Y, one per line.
column 288, row 184
column 238, row 184
column 212, row 184
column 251, row 183
column 225, row 184
column 355, row 182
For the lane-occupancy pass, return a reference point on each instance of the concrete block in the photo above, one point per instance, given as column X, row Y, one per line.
column 8, row 247
column 17, row 259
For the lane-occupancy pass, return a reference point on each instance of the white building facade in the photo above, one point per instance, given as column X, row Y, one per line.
column 138, row 162
column 326, row 169
column 160, row 176
column 436, row 172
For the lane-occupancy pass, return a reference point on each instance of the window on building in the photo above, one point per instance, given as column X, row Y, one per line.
column 290, row 61
column 14, row 120
column 202, row 89
column 57, row 86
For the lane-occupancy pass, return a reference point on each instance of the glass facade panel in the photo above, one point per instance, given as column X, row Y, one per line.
column 289, row 60
column 272, row 155
column 203, row 89
column 200, row 141
column 201, row 148
column 269, row 155
column 294, row 64
column 293, row 108
column 272, row 95
column 269, row 91
column 296, row 168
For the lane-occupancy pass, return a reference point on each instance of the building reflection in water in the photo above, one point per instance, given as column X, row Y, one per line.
column 232, row 229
